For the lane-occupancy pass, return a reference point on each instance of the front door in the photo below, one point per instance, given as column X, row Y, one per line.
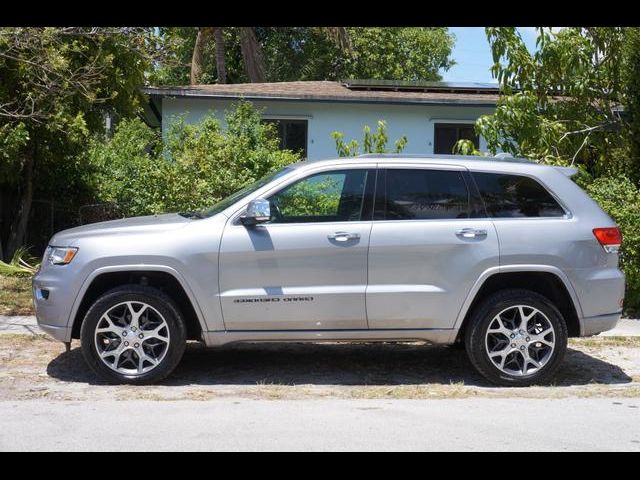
column 428, row 247
column 306, row 269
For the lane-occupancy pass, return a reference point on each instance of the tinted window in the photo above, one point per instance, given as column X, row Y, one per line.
column 292, row 135
column 515, row 196
column 337, row 196
column 446, row 135
column 422, row 194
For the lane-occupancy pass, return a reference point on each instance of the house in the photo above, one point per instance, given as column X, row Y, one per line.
column 433, row 115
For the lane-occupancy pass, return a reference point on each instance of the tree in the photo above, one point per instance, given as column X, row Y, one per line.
column 306, row 53
column 57, row 85
column 399, row 53
column 561, row 103
column 630, row 77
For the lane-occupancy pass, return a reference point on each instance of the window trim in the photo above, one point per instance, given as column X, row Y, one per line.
column 568, row 214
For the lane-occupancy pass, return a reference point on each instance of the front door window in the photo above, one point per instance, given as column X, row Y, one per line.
column 337, row 196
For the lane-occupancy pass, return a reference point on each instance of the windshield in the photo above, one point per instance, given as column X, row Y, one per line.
column 231, row 199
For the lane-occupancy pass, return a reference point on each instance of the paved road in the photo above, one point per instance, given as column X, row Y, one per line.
column 27, row 324
column 242, row 424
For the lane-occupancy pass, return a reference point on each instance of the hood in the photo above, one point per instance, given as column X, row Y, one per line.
column 134, row 225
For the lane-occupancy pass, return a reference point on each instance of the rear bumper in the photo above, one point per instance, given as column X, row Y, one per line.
column 600, row 323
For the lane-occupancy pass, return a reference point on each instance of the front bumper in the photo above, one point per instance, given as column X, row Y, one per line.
column 53, row 299
column 62, row 334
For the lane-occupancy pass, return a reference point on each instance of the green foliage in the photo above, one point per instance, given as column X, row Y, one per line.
column 559, row 102
column 399, row 53
column 630, row 76
column 22, row 264
column 199, row 165
column 309, row 53
column 466, row 147
column 372, row 142
column 620, row 198
column 13, row 139
column 57, row 85
column 314, row 198
column 126, row 170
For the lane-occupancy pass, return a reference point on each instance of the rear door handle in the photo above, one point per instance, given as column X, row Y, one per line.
column 471, row 233
column 343, row 236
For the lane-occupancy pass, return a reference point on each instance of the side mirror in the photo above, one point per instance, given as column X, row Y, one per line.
column 258, row 211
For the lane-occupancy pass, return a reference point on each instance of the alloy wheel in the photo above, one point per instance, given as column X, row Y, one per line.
column 520, row 340
column 132, row 338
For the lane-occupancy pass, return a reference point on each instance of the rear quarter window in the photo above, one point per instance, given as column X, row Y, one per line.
column 509, row 196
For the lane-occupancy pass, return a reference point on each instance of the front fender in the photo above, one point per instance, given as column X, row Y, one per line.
column 137, row 267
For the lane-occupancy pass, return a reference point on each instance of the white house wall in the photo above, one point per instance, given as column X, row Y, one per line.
column 414, row 121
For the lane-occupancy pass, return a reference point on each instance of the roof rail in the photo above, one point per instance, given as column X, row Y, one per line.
column 502, row 157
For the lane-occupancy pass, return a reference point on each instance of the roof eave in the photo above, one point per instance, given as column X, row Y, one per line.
column 310, row 98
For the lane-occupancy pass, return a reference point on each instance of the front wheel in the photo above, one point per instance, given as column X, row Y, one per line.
column 516, row 338
column 133, row 334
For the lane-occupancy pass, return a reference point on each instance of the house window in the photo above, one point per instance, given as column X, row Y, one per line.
column 292, row 134
column 447, row 134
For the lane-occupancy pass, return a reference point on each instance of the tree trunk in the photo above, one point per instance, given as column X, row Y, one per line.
column 340, row 37
column 220, row 64
column 252, row 55
column 198, row 54
column 19, row 226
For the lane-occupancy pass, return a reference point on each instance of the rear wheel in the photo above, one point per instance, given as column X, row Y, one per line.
column 516, row 338
column 133, row 334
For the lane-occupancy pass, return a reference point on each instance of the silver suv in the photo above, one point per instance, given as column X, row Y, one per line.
column 504, row 256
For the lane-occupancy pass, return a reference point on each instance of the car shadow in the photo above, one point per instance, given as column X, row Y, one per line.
column 337, row 364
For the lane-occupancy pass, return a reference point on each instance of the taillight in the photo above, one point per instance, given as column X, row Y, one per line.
column 610, row 238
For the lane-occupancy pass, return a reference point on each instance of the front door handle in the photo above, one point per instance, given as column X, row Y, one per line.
column 343, row 236
column 471, row 233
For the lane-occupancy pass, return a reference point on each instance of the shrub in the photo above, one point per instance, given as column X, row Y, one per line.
column 620, row 198
column 371, row 143
column 125, row 169
column 198, row 165
column 210, row 163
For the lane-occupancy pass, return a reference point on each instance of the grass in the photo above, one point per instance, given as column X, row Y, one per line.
column 15, row 295
column 599, row 342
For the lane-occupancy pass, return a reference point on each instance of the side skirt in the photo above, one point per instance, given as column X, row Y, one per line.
column 437, row 336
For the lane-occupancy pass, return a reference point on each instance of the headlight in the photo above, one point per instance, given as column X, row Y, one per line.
column 60, row 255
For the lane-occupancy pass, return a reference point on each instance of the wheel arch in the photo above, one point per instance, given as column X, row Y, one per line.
column 548, row 281
column 162, row 277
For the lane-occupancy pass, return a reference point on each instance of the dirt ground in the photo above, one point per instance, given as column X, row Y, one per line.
column 15, row 296
column 35, row 367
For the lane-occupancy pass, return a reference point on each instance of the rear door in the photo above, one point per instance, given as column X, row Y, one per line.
column 428, row 246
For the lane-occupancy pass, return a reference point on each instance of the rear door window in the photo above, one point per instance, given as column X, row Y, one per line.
column 421, row 194
column 508, row 196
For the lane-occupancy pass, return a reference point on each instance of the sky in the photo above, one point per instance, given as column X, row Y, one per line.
column 472, row 54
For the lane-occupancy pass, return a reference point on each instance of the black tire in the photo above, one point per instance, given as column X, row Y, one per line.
column 481, row 320
column 136, row 293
